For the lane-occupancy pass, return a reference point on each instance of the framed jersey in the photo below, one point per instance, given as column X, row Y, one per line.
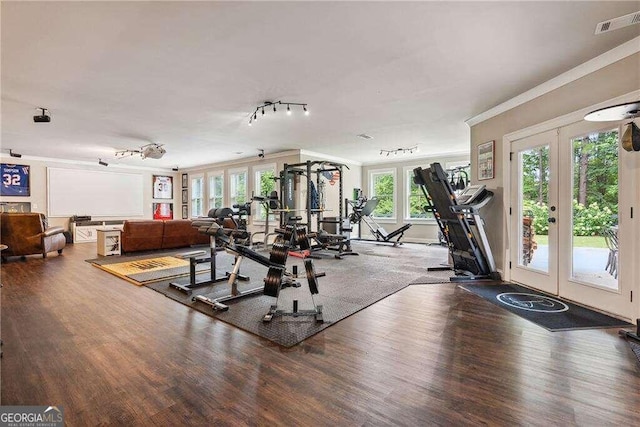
column 15, row 180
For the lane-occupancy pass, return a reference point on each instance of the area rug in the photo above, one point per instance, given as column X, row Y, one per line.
column 148, row 269
column 349, row 286
column 551, row 313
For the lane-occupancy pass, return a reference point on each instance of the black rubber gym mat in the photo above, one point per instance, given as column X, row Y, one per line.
column 550, row 312
column 350, row 285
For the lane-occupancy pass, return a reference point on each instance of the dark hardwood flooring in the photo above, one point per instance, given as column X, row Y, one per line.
column 113, row 353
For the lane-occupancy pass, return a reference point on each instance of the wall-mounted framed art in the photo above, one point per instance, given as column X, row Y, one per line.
column 185, row 212
column 185, row 180
column 15, row 207
column 185, row 196
column 162, row 187
column 15, row 180
column 486, row 160
column 163, row 211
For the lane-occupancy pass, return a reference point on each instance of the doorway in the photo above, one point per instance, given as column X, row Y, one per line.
column 570, row 230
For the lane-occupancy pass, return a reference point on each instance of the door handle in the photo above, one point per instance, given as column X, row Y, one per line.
column 551, row 219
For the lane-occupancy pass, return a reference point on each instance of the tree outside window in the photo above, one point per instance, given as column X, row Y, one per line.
column 266, row 183
column 216, row 191
column 237, row 188
column 382, row 187
column 197, row 196
column 416, row 200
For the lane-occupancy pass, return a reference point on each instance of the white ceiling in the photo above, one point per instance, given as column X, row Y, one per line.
column 119, row 75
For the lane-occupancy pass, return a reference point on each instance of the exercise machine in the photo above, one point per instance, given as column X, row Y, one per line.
column 362, row 210
column 315, row 207
column 220, row 216
column 459, row 221
column 270, row 204
column 240, row 252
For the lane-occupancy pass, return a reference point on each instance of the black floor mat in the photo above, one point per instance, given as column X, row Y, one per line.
column 551, row 313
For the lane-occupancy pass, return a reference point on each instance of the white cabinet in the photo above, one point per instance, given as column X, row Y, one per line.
column 108, row 241
column 86, row 231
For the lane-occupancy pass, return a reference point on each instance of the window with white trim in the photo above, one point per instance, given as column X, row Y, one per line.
column 237, row 187
column 264, row 184
column 216, row 190
column 382, row 185
column 415, row 200
column 197, row 195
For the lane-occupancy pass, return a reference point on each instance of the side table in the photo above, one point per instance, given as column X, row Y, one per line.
column 108, row 241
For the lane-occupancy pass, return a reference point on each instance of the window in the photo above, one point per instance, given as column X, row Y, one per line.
column 237, row 187
column 197, row 196
column 264, row 185
column 382, row 186
column 216, row 190
column 415, row 200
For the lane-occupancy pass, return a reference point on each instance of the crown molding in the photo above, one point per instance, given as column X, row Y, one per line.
column 616, row 54
column 330, row 158
column 112, row 165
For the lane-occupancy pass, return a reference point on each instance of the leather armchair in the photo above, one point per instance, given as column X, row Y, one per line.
column 28, row 234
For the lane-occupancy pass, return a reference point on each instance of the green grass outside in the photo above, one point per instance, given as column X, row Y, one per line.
column 578, row 241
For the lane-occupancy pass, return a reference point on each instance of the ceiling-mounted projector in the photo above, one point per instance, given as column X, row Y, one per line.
column 152, row 151
column 42, row 118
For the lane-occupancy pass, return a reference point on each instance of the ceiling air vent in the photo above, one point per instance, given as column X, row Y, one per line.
column 617, row 23
column 364, row 136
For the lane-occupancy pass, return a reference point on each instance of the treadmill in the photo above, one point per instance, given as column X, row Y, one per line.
column 458, row 217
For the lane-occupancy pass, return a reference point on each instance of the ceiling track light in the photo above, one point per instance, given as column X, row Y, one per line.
column 102, row 162
column 253, row 117
column 12, row 154
column 396, row 151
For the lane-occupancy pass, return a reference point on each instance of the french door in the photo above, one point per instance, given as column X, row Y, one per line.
column 570, row 230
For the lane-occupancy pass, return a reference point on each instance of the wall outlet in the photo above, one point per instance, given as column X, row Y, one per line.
column 35, row 206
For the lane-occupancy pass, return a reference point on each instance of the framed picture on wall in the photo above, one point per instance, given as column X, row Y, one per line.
column 15, row 180
column 185, row 196
column 163, row 211
column 15, row 207
column 185, row 212
column 185, row 180
column 162, row 187
column 486, row 160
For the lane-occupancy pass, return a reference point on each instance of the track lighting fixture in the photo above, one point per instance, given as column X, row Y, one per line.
column 409, row 150
column 12, row 154
column 102, row 162
column 260, row 108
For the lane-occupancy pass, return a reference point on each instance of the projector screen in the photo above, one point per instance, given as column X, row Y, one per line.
column 96, row 193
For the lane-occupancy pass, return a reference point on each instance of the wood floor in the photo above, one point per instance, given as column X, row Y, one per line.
column 111, row 353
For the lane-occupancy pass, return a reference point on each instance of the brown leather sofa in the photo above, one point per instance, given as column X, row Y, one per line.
column 28, row 234
column 148, row 235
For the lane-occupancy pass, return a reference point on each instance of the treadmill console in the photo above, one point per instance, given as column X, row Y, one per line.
column 471, row 194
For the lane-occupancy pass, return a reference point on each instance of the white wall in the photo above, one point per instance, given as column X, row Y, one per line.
column 38, row 197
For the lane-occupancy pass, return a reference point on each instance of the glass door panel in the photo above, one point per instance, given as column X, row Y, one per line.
column 594, row 219
column 534, row 260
